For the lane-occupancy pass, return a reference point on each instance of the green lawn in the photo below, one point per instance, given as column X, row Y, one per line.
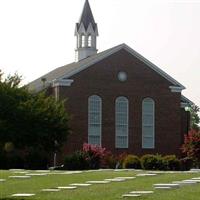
column 108, row 191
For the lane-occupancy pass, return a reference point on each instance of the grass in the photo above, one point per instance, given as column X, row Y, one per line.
column 108, row 191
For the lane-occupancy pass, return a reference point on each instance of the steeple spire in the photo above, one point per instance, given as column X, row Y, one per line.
column 87, row 16
column 86, row 32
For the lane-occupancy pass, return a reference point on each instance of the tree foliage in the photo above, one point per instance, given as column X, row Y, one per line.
column 30, row 120
column 191, row 146
column 195, row 119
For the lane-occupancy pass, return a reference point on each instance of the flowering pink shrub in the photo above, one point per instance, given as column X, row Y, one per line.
column 95, row 150
column 191, row 146
column 93, row 154
column 109, row 160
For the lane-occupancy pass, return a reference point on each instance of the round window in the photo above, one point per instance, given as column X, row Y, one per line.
column 122, row 76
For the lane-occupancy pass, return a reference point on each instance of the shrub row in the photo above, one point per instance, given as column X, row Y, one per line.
column 156, row 162
column 32, row 160
column 76, row 161
column 95, row 158
column 90, row 157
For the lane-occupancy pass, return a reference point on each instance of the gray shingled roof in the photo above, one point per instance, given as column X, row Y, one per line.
column 87, row 16
column 186, row 100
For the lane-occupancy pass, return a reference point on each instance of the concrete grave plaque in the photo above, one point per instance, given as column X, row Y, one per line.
column 80, row 184
column 22, row 195
column 172, row 185
column 131, row 195
column 50, row 190
column 98, row 182
column 20, row 177
column 67, row 187
column 141, row 192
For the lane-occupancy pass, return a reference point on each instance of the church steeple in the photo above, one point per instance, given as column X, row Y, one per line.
column 86, row 32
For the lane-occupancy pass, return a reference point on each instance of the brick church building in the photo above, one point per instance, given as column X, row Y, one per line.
column 117, row 98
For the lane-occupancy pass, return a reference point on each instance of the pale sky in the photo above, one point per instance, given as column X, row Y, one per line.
column 37, row 36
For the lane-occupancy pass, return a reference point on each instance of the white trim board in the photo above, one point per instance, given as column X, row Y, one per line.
column 183, row 98
column 176, row 89
column 63, row 82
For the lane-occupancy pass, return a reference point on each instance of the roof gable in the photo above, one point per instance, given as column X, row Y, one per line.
column 109, row 52
column 67, row 71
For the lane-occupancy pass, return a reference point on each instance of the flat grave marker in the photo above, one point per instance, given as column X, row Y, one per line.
column 20, row 177
column 163, row 188
column 22, row 195
column 182, row 183
column 19, row 172
column 80, row 184
column 16, row 170
column 97, row 182
column 195, row 170
column 131, row 195
column 73, row 172
column 192, row 180
column 146, row 175
column 120, row 170
column 32, row 174
column 156, row 172
column 42, row 171
column 67, row 187
column 50, row 190
column 171, row 185
column 196, row 178
column 65, row 173
column 141, row 192
column 115, row 179
column 126, row 177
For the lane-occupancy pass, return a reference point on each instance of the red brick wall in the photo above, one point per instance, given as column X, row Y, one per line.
column 101, row 79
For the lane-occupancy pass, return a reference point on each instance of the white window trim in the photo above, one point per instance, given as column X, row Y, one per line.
column 100, row 138
column 127, row 144
column 153, row 147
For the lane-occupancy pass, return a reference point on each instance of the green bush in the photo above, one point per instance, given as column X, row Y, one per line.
column 152, row 162
column 132, row 161
column 15, row 161
column 11, row 160
column 36, row 159
column 76, row 161
column 191, row 146
column 109, row 161
column 186, row 164
column 120, row 159
column 172, row 162
column 9, row 147
column 3, row 160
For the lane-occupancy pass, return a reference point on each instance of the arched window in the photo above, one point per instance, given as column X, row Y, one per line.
column 148, row 124
column 121, row 122
column 82, row 40
column 94, row 120
column 89, row 41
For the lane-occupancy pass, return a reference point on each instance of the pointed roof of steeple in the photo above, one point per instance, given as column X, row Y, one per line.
column 87, row 16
